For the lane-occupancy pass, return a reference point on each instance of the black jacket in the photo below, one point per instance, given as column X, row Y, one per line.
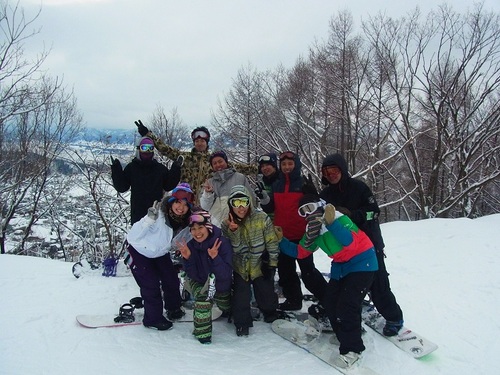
column 147, row 182
column 357, row 197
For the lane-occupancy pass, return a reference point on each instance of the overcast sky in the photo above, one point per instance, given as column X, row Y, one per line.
column 125, row 57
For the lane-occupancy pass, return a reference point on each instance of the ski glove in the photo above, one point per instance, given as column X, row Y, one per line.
column 308, row 186
column 261, row 193
column 143, row 131
column 313, row 227
column 153, row 210
column 115, row 163
column 179, row 161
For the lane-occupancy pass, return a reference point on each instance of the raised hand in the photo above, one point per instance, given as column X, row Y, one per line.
column 143, row 131
column 214, row 250
column 231, row 224
column 153, row 210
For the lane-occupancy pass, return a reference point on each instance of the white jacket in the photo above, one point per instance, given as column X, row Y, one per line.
column 151, row 238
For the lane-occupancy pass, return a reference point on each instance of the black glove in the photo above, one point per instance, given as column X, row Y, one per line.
column 308, row 186
column 115, row 163
column 143, row 131
column 268, row 271
column 259, row 190
column 179, row 161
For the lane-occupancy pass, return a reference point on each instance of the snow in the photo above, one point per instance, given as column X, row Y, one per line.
column 444, row 273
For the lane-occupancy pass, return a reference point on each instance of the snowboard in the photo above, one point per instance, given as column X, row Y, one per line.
column 107, row 320
column 307, row 335
column 407, row 340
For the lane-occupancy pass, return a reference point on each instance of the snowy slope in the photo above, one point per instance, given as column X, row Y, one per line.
column 444, row 272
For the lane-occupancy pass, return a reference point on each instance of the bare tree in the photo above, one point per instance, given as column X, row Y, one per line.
column 171, row 129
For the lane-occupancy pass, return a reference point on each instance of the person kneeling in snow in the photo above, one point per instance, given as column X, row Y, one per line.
column 207, row 260
column 353, row 266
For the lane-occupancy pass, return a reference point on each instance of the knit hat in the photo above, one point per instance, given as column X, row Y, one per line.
column 145, row 149
column 220, row 154
column 269, row 158
column 200, row 132
column 182, row 191
column 201, row 217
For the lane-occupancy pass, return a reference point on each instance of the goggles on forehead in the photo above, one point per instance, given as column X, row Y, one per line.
column 239, row 202
column 264, row 159
column 200, row 134
column 311, row 207
column 287, row 155
column 197, row 219
column 330, row 169
column 182, row 194
column 146, row 147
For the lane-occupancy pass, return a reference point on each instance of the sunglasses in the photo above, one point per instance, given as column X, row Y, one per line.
column 200, row 134
column 309, row 208
column 331, row 169
column 239, row 202
column 197, row 219
column 182, row 194
column 287, row 155
column 146, row 147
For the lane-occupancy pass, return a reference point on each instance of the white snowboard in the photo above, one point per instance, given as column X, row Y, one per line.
column 407, row 340
column 107, row 320
column 308, row 337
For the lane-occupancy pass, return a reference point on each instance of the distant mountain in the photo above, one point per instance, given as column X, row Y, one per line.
column 116, row 136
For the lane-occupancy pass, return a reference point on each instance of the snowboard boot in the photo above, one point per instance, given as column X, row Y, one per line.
column 205, row 340
column 317, row 311
column 162, row 325
column 270, row 317
column 346, row 360
column 175, row 314
column 242, row 331
column 289, row 305
column 392, row 328
column 126, row 314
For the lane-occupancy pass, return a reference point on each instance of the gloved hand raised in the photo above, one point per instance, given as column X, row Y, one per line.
column 179, row 161
column 308, row 186
column 143, row 131
column 115, row 163
column 153, row 210
column 261, row 193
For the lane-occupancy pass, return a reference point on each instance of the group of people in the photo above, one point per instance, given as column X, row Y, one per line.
column 239, row 236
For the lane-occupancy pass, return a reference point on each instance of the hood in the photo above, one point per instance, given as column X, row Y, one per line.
column 339, row 161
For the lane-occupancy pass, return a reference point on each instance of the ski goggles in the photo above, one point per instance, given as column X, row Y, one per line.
column 287, row 155
column 146, row 147
column 183, row 194
column 311, row 207
column 330, row 169
column 239, row 202
column 197, row 219
column 265, row 159
column 200, row 134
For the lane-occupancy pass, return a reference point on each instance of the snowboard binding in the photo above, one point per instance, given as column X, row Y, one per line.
column 126, row 314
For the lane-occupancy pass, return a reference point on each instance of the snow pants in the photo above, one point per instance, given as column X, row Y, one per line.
column 154, row 276
column 265, row 296
column 342, row 302
column 381, row 293
column 290, row 282
column 202, row 314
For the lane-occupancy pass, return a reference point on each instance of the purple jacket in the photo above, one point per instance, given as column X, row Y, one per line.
column 200, row 265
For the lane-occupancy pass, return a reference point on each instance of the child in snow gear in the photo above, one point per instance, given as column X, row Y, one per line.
column 255, row 257
column 286, row 192
column 207, row 260
column 354, row 198
column 352, row 269
column 149, row 248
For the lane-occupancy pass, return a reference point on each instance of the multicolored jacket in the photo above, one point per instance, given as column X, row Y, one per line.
column 252, row 238
column 349, row 248
column 196, row 168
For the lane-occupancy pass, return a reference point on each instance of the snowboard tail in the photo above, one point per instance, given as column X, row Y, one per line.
column 407, row 340
column 307, row 335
